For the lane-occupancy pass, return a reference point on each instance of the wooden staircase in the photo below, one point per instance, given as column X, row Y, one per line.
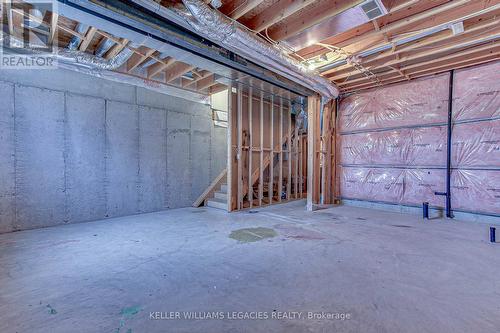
column 219, row 199
column 216, row 194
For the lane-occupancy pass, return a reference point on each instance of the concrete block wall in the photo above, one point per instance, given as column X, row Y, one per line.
column 77, row 148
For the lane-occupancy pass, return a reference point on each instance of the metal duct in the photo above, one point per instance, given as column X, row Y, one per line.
column 104, row 47
column 73, row 57
column 233, row 36
column 75, row 41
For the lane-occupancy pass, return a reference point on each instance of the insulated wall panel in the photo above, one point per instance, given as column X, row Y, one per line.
column 392, row 185
column 476, row 191
column 7, row 161
column 419, row 102
column 122, row 158
column 407, row 146
column 40, row 169
column 476, row 92
column 476, row 144
column 85, row 162
column 178, row 160
column 153, row 159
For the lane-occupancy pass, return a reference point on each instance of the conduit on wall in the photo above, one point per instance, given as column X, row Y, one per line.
column 393, row 142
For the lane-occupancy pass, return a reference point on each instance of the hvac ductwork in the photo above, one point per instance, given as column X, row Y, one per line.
column 233, row 36
column 75, row 58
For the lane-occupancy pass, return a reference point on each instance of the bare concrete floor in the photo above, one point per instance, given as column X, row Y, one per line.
column 387, row 272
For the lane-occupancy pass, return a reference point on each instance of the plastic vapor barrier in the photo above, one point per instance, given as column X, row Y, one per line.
column 392, row 142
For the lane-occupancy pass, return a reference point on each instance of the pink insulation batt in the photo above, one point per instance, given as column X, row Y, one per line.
column 392, row 142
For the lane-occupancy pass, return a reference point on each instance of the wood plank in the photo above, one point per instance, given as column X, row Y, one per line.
column 244, row 8
column 296, row 159
column 280, row 162
column 202, row 75
column 54, row 18
column 441, row 36
column 206, row 82
column 271, row 153
column 239, row 148
column 115, row 49
column 177, row 70
column 250, row 144
column 310, row 17
column 87, row 39
column 290, row 152
column 158, row 66
column 426, row 53
column 313, row 171
column 143, row 52
column 214, row 186
column 275, row 13
column 459, row 57
column 261, row 160
column 230, row 154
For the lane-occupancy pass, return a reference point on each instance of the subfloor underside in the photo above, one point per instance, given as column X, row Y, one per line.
column 354, row 269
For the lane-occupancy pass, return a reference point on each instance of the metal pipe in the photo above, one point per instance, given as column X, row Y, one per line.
column 449, row 125
column 449, row 214
column 425, row 210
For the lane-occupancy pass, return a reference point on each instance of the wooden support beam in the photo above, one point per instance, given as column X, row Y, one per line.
column 296, row 158
column 434, row 70
column 139, row 57
column 275, row 13
column 54, row 18
column 115, row 49
column 217, row 88
column 280, row 154
column 244, row 8
column 7, row 5
column 159, row 66
column 177, row 70
column 313, row 146
column 250, row 144
column 410, row 18
column 310, row 17
column 231, row 121
column 290, row 151
column 261, row 155
column 87, row 39
column 454, row 58
column 442, row 36
column 202, row 75
column 239, row 149
column 426, row 53
column 271, row 153
column 206, row 82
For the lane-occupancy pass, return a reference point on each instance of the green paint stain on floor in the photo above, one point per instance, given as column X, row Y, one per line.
column 248, row 235
column 130, row 311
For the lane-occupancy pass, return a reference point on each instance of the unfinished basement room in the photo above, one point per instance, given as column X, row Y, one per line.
column 213, row 166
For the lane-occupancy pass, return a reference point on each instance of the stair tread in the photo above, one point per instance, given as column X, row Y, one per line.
column 217, row 200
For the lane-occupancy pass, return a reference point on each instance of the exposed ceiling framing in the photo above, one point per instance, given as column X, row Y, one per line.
column 413, row 39
column 143, row 62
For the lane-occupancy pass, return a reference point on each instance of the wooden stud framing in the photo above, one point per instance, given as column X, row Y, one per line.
column 313, row 146
column 250, row 147
column 271, row 153
column 239, row 147
column 280, row 152
column 289, row 152
column 261, row 155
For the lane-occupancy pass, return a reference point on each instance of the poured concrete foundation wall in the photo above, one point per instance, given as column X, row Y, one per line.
column 77, row 148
